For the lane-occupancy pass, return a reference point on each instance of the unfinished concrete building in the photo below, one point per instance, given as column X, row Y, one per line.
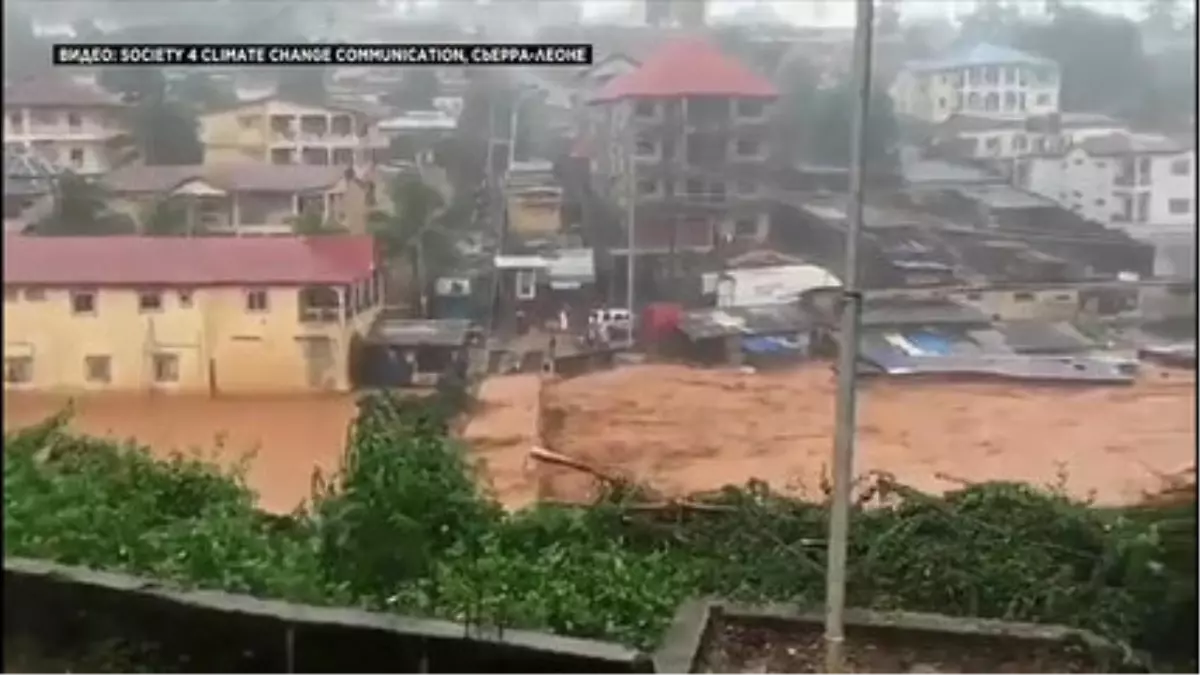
column 685, row 136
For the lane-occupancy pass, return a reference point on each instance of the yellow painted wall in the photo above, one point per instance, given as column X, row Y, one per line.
column 249, row 352
column 226, row 140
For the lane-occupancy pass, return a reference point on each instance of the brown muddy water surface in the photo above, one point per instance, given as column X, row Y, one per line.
column 288, row 436
column 683, row 430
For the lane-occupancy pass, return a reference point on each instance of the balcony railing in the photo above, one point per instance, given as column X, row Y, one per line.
column 319, row 314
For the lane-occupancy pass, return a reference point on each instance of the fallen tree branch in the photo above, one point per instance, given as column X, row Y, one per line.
column 551, row 457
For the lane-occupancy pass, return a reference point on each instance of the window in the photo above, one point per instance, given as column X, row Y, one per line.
column 17, row 120
column 256, row 301
column 751, row 109
column 526, row 284
column 1023, row 297
column 974, row 295
column 247, row 121
column 695, row 187
column 1099, row 202
column 745, row 227
column 645, row 109
column 97, row 369
column 83, row 302
column 1143, row 207
column 166, row 368
column 991, row 102
column 942, row 103
column 973, row 101
column 646, row 148
column 1020, row 143
column 76, row 157
column 1010, row 101
column 149, row 301
column 1144, row 171
column 185, row 299
column 1043, row 99
column 993, row 143
column 18, row 369
column 74, row 121
column 747, row 187
column 748, row 148
column 35, row 294
column 1179, row 206
column 1181, row 167
column 647, row 187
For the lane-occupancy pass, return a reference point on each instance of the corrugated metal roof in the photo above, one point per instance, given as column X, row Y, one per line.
column 688, row 67
column 190, row 261
column 1043, row 336
column 909, row 312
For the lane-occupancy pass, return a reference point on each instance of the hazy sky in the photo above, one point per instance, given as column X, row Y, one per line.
column 841, row 12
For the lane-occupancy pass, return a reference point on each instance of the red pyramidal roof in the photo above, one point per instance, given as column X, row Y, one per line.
column 688, row 67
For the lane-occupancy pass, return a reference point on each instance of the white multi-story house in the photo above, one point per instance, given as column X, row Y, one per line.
column 70, row 125
column 1143, row 184
column 981, row 80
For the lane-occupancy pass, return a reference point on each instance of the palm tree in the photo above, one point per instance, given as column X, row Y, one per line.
column 413, row 229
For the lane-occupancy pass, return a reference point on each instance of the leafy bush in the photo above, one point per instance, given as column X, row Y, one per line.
column 403, row 527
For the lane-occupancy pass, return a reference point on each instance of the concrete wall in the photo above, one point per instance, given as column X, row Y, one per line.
column 219, row 345
column 63, row 609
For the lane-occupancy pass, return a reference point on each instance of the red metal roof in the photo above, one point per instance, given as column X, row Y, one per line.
column 688, row 67
column 180, row 261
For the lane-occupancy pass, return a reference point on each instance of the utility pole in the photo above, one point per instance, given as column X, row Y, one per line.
column 631, row 219
column 843, row 451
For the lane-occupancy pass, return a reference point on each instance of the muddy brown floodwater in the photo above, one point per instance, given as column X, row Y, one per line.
column 288, row 436
column 501, row 431
column 682, row 430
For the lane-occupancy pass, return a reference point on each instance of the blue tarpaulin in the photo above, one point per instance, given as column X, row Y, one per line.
column 769, row 345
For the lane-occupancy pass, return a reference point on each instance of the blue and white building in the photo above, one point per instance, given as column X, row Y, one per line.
column 984, row 80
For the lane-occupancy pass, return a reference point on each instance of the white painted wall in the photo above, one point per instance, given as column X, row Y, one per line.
column 1015, row 90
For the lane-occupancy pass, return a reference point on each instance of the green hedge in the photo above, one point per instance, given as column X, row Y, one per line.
column 404, row 528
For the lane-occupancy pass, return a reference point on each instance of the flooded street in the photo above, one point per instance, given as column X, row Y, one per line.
column 289, row 436
column 683, row 430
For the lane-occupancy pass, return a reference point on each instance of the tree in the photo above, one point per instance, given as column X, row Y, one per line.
column 303, row 85
column 814, row 124
column 992, row 21
column 1102, row 64
column 1161, row 15
column 412, row 230
column 416, row 90
column 81, row 209
column 887, row 18
column 166, row 218
column 202, row 93
column 166, row 130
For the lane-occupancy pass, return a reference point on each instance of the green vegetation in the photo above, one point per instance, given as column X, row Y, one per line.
column 405, row 529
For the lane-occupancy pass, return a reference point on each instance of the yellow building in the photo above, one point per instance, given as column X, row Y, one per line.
column 214, row 315
column 276, row 131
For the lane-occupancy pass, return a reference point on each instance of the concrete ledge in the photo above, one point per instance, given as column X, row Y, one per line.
column 691, row 630
column 586, row 655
